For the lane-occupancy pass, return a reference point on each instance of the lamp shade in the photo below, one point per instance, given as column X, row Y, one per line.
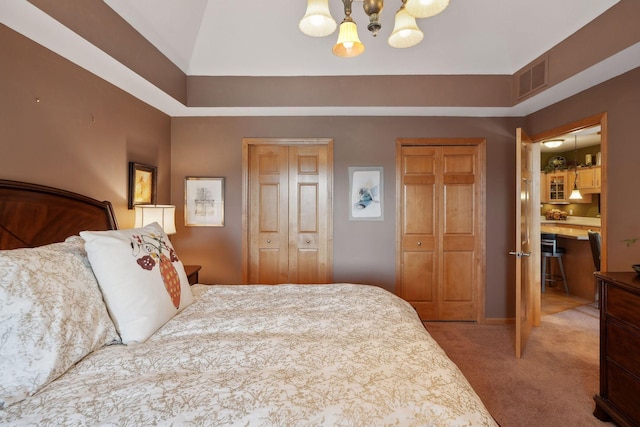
column 553, row 143
column 162, row 214
column 317, row 21
column 426, row 8
column 348, row 44
column 405, row 31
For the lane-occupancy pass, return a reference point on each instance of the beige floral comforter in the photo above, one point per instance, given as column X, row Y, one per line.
column 287, row 355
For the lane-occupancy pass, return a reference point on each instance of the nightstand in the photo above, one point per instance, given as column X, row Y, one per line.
column 192, row 273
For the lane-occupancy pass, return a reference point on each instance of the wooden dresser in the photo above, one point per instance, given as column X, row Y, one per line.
column 619, row 398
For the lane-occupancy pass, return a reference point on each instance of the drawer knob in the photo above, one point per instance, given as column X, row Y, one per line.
column 268, row 240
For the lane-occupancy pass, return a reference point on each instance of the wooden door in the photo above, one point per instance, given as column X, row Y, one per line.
column 268, row 214
column 287, row 220
column 441, row 233
column 309, row 212
column 527, row 251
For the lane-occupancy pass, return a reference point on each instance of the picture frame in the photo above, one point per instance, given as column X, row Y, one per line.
column 366, row 193
column 204, row 202
column 143, row 184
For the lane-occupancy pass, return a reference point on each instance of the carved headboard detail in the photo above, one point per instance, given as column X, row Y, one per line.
column 35, row 215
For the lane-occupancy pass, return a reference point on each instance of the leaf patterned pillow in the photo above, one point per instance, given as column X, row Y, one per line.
column 143, row 281
column 51, row 315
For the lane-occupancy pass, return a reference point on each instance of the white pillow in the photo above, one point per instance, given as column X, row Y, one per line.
column 51, row 316
column 142, row 280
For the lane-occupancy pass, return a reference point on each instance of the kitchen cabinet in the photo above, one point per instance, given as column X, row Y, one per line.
column 544, row 190
column 556, row 187
column 589, row 179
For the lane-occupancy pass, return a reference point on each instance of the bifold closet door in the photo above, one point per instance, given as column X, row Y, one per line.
column 439, row 231
column 289, row 214
column 268, row 214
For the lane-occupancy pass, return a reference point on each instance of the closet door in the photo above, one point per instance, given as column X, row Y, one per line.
column 441, row 239
column 288, row 205
column 308, row 214
column 420, row 245
column 268, row 216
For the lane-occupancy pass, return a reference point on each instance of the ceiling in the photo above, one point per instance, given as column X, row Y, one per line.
column 582, row 138
column 261, row 38
column 234, row 38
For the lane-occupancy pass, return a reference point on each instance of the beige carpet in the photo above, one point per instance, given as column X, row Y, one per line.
column 551, row 385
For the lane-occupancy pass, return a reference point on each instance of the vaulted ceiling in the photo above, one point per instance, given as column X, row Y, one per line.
column 220, row 48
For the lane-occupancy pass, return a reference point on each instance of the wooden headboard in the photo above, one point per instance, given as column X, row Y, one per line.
column 35, row 215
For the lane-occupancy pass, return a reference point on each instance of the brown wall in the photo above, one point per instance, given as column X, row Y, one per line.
column 82, row 133
column 364, row 252
column 620, row 99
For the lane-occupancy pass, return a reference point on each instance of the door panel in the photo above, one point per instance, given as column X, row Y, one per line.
column 527, row 236
column 307, row 213
column 268, row 218
column 441, row 229
column 288, row 210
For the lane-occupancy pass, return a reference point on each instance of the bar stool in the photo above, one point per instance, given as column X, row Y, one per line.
column 550, row 250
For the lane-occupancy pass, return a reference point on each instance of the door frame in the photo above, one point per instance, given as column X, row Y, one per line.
column 246, row 144
column 595, row 120
column 481, row 144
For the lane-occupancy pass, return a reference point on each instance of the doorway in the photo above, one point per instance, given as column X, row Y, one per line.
column 581, row 160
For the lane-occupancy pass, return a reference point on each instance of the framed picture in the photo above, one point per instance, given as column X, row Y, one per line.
column 366, row 194
column 143, row 184
column 204, row 202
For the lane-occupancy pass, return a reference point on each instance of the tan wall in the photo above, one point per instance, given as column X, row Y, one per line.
column 364, row 252
column 619, row 98
column 82, row 133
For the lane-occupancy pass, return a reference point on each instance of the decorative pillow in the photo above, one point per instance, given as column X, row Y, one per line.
column 142, row 280
column 51, row 316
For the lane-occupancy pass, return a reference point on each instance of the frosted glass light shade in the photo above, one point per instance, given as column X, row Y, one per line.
column 162, row 214
column 348, row 44
column 405, row 31
column 553, row 143
column 317, row 21
column 575, row 194
column 426, row 8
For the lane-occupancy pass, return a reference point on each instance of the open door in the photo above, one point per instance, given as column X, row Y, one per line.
column 527, row 251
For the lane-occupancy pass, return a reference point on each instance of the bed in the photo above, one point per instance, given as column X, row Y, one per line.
column 253, row 355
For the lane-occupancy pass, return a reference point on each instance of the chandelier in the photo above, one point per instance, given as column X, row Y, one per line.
column 318, row 22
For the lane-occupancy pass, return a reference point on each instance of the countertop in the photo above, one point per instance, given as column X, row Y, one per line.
column 566, row 232
column 572, row 220
column 563, row 228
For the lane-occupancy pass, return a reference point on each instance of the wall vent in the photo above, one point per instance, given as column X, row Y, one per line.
column 531, row 78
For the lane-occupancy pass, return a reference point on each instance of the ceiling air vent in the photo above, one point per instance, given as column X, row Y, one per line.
column 531, row 78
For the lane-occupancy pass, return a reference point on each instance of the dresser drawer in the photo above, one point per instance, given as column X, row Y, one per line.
column 623, row 346
column 623, row 305
column 623, row 391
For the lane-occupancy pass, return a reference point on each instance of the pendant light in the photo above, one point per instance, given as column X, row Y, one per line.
column 317, row 21
column 426, row 8
column 405, row 31
column 575, row 193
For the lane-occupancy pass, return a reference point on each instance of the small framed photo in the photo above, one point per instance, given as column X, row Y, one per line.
column 366, row 194
column 143, row 184
column 204, row 202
